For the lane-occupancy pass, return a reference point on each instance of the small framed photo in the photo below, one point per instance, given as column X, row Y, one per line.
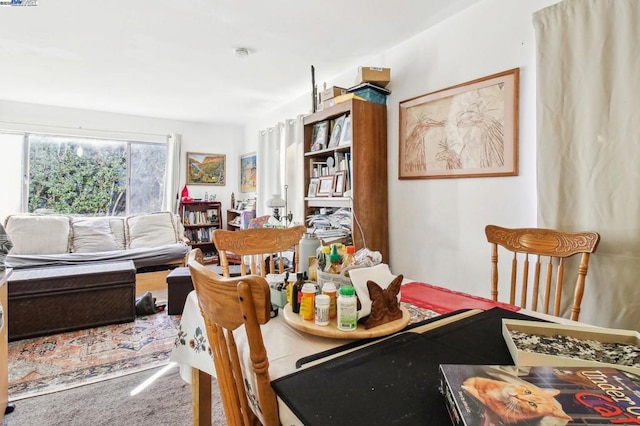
column 339, row 183
column 325, row 186
column 320, row 136
column 313, row 187
column 336, row 132
column 345, row 136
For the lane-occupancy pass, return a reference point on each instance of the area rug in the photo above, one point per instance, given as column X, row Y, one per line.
column 166, row 401
column 52, row 363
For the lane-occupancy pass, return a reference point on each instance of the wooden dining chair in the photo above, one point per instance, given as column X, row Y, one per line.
column 226, row 304
column 261, row 245
column 545, row 245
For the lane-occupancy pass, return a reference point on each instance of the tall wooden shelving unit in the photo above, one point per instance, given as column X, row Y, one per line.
column 368, row 149
column 200, row 219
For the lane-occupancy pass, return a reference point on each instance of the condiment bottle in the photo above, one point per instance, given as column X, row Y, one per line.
column 347, row 308
column 322, row 309
column 329, row 289
column 323, row 257
column 296, row 293
column 333, row 266
column 307, row 301
column 349, row 257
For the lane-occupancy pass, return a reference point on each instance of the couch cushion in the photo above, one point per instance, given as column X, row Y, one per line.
column 151, row 230
column 32, row 234
column 117, row 229
column 92, row 234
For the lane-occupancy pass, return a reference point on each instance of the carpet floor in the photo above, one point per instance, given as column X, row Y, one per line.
column 166, row 401
column 53, row 363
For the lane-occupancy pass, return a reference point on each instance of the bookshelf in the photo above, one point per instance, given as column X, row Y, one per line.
column 352, row 174
column 200, row 219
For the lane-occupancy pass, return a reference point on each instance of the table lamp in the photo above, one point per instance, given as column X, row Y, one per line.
column 276, row 202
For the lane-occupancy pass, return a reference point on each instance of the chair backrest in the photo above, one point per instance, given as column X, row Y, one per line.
column 548, row 246
column 260, row 245
column 226, row 304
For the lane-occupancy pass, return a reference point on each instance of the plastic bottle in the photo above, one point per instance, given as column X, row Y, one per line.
column 349, row 257
column 329, row 289
column 296, row 293
column 347, row 308
column 308, row 245
column 307, row 301
column 321, row 313
column 334, row 266
column 323, row 257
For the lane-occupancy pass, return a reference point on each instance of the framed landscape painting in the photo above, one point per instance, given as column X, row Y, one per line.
column 468, row 130
column 248, row 167
column 206, row 169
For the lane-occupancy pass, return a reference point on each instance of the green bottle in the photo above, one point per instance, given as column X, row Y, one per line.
column 334, row 265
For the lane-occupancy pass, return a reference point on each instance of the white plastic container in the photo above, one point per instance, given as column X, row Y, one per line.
column 321, row 316
column 347, row 308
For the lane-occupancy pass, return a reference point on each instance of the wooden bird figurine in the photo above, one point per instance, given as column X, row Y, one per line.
column 384, row 303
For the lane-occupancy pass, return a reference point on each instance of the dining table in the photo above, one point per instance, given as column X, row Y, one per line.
column 291, row 350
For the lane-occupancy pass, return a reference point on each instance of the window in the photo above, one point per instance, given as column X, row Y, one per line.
column 75, row 175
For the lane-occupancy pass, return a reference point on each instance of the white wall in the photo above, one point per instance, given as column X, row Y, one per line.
column 196, row 137
column 436, row 227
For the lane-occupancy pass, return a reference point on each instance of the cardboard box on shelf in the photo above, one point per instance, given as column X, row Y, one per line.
column 338, row 99
column 378, row 76
column 547, row 338
column 331, row 93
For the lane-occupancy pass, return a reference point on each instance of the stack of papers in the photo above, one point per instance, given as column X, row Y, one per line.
column 331, row 226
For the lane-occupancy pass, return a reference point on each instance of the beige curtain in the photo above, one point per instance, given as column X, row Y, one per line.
column 588, row 138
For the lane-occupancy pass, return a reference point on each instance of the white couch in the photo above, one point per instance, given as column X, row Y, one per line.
column 149, row 240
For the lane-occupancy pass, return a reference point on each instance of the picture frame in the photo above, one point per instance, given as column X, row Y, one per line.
column 467, row 130
column 313, row 187
column 336, row 131
column 325, row 186
column 345, row 136
column 248, row 172
column 206, row 169
column 339, row 183
column 320, row 136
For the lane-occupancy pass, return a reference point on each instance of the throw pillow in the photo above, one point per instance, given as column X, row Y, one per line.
column 117, row 229
column 33, row 234
column 5, row 246
column 92, row 234
column 151, row 230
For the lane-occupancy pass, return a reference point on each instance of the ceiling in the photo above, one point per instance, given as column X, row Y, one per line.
column 175, row 59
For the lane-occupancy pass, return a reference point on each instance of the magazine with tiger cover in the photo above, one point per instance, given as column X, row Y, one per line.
column 489, row 395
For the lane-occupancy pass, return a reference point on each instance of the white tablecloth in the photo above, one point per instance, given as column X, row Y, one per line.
column 284, row 345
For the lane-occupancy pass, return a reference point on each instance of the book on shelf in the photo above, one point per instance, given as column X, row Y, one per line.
column 541, row 396
column 196, row 217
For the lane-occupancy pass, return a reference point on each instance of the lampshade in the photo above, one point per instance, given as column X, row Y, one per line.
column 276, row 201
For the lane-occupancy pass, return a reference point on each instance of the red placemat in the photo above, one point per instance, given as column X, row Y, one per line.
column 443, row 300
